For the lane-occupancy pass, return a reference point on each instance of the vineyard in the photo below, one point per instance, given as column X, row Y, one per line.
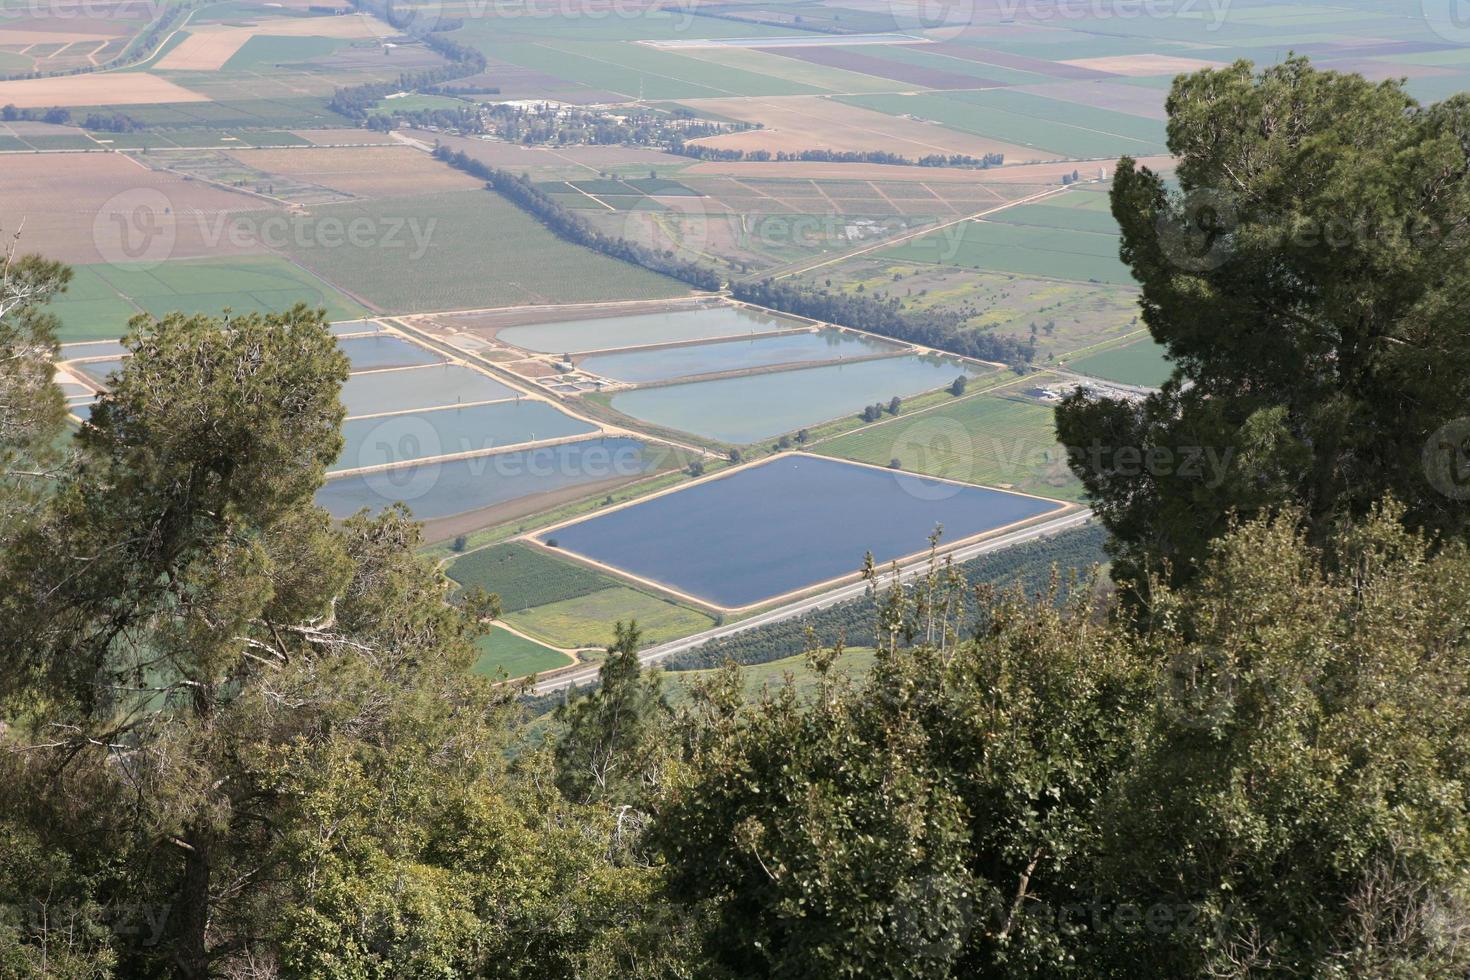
column 524, row 577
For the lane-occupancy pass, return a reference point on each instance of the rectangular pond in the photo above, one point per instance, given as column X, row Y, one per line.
column 404, row 438
column 785, row 525
column 99, row 370
column 421, row 387
column 751, row 409
column 342, row 328
column 96, row 348
column 643, row 329
column 668, row 363
column 438, row 490
column 385, row 351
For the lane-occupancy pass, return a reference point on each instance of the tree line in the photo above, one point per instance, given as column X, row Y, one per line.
column 701, row 151
column 942, row 330
column 572, row 228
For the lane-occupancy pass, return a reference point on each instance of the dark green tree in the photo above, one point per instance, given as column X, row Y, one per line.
column 1306, row 282
column 31, row 408
column 609, row 751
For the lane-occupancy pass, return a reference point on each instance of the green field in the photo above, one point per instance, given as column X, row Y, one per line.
column 524, row 576
column 504, row 652
column 101, row 298
column 462, row 250
column 772, row 65
column 1139, row 363
column 231, row 112
column 587, row 621
column 1027, row 250
column 854, row 663
column 1053, row 128
column 998, row 440
column 263, row 51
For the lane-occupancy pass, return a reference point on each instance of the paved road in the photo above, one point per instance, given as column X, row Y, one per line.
column 584, row 675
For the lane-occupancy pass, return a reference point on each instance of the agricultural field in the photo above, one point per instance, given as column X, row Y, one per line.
column 75, row 91
column 459, row 250
column 361, row 172
column 1058, row 317
column 67, row 35
column 212, row 47
column 102, row 298
column 524, row 576
column 508, row 654
column 1001, row 439
column 104, row 207
column 1027, row 250
column 1139, row 363
column 818, row 123
column 236, row 188
column 784, row 525
column 587, row 621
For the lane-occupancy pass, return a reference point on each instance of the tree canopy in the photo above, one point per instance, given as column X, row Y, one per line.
column 1305, row 278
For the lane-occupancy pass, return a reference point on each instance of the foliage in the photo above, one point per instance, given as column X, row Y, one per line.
column 1264, row 780
column 939, row 329
column 1304, row 282
column 609, row 749
column 31, row 407
column 242, row 739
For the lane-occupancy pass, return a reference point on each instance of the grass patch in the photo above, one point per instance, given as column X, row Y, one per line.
column 524, row 576
column 505, row 653
column 1139, row 363
column 1000, row 440
column 101, row 298
column 587, row 621
column 1027, row 250
column 264, row 51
